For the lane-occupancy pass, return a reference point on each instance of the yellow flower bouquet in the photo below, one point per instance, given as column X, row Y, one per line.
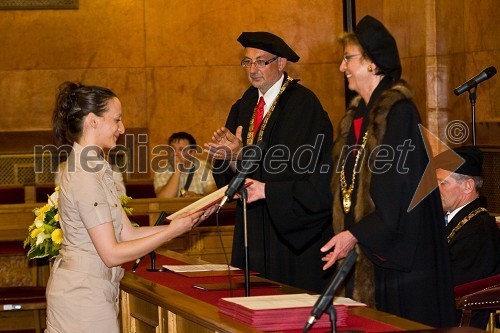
column 45, row 234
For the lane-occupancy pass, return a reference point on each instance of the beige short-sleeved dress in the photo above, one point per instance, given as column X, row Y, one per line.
column 82, row 293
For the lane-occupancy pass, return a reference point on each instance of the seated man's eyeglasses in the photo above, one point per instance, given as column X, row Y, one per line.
column 247, row 63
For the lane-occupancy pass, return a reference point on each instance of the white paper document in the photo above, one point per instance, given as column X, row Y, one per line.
column 199, row 268
column 346, row 301
column 286, row 301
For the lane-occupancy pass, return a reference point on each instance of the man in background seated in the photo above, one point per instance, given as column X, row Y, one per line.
column 185, row 175
column 472, row 234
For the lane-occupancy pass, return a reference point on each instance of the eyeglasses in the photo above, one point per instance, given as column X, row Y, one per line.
column 348, row 57
column 247, row 63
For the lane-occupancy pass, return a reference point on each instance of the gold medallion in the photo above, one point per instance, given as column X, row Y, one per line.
column 347, row 191
column 347, row 203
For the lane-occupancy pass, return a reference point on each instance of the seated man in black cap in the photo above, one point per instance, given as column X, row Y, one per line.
column 289, row 217
column 472, row 234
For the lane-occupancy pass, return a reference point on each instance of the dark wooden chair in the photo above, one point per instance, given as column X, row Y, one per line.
column 24, row 299
column 140, row 190
column 141, row 220
column 21, row 307
column 42, row 192
column 11, row 194
column 477, row 295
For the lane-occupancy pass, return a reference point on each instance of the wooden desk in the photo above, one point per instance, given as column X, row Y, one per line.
column 150, row 307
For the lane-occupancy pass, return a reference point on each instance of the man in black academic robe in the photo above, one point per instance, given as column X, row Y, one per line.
column 472, row 234
column 475, row 247
column 286, row 228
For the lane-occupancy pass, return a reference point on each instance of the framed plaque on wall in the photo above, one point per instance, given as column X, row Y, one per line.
column 38, row 4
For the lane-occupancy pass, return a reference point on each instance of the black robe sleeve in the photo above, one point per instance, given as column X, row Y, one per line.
column 299, row 199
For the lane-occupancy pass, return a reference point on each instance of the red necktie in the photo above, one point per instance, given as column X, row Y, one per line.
column 259, row 115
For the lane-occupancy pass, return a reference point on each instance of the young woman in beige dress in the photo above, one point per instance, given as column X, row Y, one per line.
column 83, row 288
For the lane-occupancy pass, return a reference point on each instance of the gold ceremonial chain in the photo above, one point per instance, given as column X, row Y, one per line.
column 464, row 221
column 347, row 192
column 266, row 118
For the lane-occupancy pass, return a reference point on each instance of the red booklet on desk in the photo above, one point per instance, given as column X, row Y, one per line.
column 207, row 201
column 278, row 312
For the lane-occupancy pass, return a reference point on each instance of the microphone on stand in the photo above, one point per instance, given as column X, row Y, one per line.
column 471, row 86
column 250, row 156
column 253, row 154
column 483, row 76
column 326, row 299
column 159, row 221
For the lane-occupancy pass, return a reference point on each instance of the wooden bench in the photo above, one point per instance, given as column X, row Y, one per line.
column 11, row 194
column 22, row 299
column 140, row 190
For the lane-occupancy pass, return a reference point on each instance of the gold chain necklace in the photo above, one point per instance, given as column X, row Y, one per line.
column 347, row 192
column 266, row 118
column 464, row 221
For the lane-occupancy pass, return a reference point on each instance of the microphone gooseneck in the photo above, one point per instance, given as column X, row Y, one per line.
column 250, row 156
column 326, row 298
column 159, row 221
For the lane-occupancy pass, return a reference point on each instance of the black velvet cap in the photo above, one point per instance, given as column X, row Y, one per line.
column 268, row 42
column 380, row 46
column 472, row 165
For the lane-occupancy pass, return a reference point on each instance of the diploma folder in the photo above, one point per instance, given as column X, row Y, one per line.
column 278, row 312
column 205, row 202
column 205, row 270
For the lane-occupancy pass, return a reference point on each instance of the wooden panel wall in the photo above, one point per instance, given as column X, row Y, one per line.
column 175, row 64
column 443, row 43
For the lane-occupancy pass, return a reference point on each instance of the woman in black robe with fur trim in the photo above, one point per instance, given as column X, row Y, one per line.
column 379, row 159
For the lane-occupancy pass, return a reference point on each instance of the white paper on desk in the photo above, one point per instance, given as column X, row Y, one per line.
column 346, row 301
column 199, row 268
column 275, row 301
column 285, row 301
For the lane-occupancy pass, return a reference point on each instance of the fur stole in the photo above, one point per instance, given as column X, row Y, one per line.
column 364, row 283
